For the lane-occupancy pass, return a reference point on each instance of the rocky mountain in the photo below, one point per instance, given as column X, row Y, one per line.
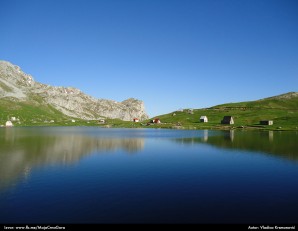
column 17, row 86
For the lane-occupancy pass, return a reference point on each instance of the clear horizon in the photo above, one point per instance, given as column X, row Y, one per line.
column 169, row 54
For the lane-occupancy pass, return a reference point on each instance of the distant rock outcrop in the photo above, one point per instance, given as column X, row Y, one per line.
column 17, row 85
column 288, row 95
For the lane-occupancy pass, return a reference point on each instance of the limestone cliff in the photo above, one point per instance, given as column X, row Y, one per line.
column 19, row 86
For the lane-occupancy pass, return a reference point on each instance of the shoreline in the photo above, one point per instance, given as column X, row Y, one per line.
column 189, row 127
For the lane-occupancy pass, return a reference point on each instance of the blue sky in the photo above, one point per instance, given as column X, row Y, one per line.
column 169, row 53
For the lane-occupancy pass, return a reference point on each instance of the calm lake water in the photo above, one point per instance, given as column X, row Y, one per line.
column 95, row 175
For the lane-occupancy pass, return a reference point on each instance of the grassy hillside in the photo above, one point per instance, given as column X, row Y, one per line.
column 29, row 113
column 282, row 110
column 36, row 113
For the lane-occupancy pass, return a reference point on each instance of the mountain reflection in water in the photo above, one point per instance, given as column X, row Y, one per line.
column 174, row 176
column 24, row 149
column 280, row 144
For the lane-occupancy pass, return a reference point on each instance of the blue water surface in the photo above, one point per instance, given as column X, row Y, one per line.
column 96, row 175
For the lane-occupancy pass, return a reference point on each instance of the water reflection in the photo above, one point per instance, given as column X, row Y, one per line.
column 229, row 135
column 271, row 136
column 197, row 182
column 205, row 136
column 24, row 149
column 281, row 144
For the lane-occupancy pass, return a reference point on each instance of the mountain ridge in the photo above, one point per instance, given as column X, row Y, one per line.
column 288, row 95
column 31, row 103
column 15, row 85
column 282, row 101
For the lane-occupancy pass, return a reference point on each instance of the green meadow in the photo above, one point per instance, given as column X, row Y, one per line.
column 246, row 115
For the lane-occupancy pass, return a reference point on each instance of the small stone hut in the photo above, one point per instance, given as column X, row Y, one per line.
column 266, row 122
column 8, row 124
column 228, row 120
column 204, row 119
column 156, row 121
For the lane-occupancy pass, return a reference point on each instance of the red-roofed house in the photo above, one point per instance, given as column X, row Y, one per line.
column 156, row 121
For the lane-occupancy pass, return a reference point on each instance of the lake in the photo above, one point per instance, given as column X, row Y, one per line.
column 67, row 175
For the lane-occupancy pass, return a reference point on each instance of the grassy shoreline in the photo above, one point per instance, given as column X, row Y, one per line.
column 283, row 120
column 282, row 110
column 131, row 125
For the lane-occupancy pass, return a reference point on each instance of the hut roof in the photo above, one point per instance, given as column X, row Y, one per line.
column 227, row 118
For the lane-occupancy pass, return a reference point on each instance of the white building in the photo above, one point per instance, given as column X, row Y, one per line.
column 8, row 124
column 204, row 119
